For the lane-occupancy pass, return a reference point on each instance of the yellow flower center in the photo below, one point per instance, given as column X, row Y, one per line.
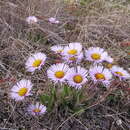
column 37, row 63
column 72, row 52
column 36, row 110
column 72, row 58
column 109, row 66
column 96, row 56
column 59, row 74
column 59, row 51
column 77, row 78
column 119, row 73
column 22, row 91
column 100, row 76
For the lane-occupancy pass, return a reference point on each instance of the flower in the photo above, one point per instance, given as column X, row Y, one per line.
column 58, row 72
column 57, row 49
column 100, row 74
column 53, row 20
column 77, row 77
column 120, row 72
column 109, row 59
column 31, row 19
column 73, row 49
column 76, row 59
column 21, row 90
column 37, row 109
column 35, row 61
column 96, row 54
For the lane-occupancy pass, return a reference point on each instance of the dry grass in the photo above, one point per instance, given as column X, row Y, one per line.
column 97, row 23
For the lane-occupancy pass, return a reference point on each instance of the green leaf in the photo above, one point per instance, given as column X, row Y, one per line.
column 49, row 100
column 45, row 99
column 79, row 97
column 66, row 91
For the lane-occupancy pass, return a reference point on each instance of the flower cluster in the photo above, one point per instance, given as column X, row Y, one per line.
column 77, row 76
column 69, row 71
column 21, row 90
column 33, row 20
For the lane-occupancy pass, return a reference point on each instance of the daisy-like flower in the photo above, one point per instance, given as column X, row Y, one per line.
column 21, row 90
column 31, row 19
column 96, row 54
column 76, row 59
column 100, row 74
column 77, row 77
column 73, row 49
column 37, row 109
column 53, row 20
column 120, row 72
column 35, row 61
column 58, row 72
column 58, row 49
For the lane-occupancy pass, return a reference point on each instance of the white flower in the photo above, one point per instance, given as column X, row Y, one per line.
column 58, row 72
column 31, row 19
column 77, row 77
column 53, row 20
column 96, row 54
column 120, row 72
column 72, row 59
column 73, row 49
column 57, row 49
column 37, row 109
column 21, row 90
column 109, row 59
column 35, row 61
column 100, row 74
